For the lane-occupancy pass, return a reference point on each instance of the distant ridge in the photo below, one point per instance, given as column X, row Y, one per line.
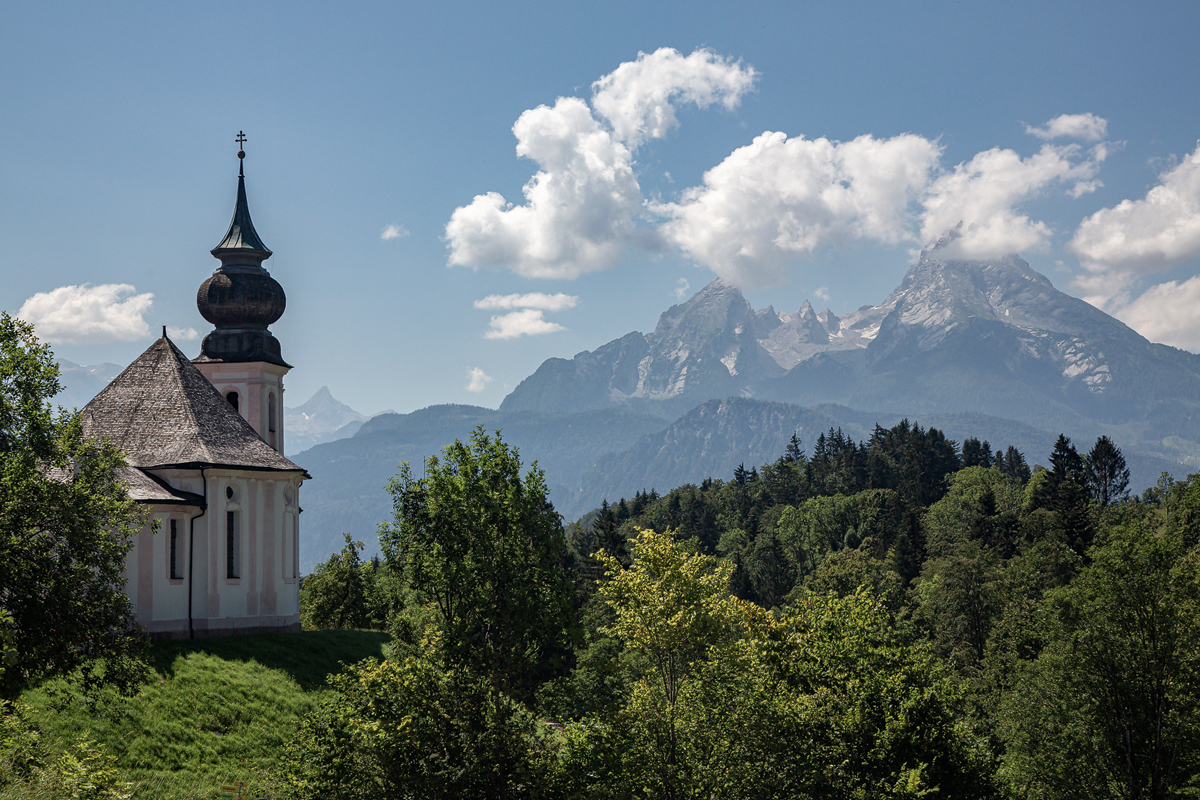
column 988, row 349
column 992, row 337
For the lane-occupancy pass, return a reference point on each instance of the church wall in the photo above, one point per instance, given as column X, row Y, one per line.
column 263, row 596
column 259, row 597
column 159, row 600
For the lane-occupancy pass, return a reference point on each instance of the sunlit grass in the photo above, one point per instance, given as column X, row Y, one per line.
column 214, row 711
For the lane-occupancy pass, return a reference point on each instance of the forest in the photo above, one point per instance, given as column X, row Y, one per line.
column 890, row 618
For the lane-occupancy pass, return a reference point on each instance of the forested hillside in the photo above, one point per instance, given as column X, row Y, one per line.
column 879, row 618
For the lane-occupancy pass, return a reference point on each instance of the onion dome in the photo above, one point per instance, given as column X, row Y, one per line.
column 241, row 298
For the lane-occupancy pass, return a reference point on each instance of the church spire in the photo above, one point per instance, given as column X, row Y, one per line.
column 241, row 298
column 241, row 240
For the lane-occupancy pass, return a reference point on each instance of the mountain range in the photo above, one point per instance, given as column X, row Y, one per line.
column 977, row 348
column 322, row 418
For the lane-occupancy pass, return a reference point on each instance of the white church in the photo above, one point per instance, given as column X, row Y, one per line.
column 203, row 440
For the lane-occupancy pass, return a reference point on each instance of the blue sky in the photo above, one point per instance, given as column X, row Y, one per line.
column 119, row 168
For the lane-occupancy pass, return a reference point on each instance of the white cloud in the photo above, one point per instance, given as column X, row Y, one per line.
column 478, row 380
column 1167, row 313
column 777, row 198
column 681, row 288
column 822, row 294
column 111, row 312
column 393, row 231
column 1087, row 127
column 527, row 322
column 639, row 97
column 579, row 208
column 1143, row 237
column 546, row 302
column 182, row 334
column 982, row 195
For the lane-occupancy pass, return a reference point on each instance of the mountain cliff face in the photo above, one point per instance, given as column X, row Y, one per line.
column 707, row 347
column 991, row 337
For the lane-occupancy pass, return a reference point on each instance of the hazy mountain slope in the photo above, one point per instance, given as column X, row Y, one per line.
column 707, row 347
column 347, row 493
column 322, row 418
column 712, row 439
column 992, row 337
column 81, row 383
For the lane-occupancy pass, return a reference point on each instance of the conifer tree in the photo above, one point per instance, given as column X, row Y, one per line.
column 1106, row 474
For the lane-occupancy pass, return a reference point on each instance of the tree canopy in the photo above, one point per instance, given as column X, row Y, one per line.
column 66, row 524
column 481, row 547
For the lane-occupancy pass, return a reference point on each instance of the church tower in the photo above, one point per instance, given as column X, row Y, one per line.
column 240, row 356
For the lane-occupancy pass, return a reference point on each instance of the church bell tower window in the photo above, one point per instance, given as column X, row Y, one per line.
column 271, row 420
column 232, row 397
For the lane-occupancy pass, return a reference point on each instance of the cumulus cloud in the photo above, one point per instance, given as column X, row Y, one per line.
column 581, row 207
column 394, row 231
column 477, row 379
column 1086, row 127
column 182, row 334
column 1167, row 313
column 767, row 203
column 982, row 196
column 822, row 294
column 681, row 288
column 1142, row 237
column 110, row 312
column 546, row 302
column 639, row 97
column 526, row 322
column 777, row 198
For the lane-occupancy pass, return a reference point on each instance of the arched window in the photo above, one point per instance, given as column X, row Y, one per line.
column 271, row 420
column 232, row 397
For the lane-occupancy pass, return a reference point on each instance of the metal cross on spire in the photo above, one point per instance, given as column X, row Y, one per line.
column 240, row 139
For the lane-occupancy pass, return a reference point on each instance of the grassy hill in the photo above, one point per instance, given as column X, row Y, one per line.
column 213, row 710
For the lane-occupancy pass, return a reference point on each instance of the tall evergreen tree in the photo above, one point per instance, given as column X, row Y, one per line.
column 1066, row 463
column 1105, row 471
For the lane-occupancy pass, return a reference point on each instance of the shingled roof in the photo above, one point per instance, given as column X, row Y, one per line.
column 147, row 488
column 163, row 412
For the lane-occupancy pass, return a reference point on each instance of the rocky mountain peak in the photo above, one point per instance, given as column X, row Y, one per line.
column 717, row 308
column 321, row 418
column 937, row 293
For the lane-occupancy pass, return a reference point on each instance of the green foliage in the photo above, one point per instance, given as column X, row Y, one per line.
column 21, row 751
column 1105, row 472
column 66, row 524
column 847, row 571
column 1111, row 706
column 728, row 701
column 406, row 728
column 824, row 525
column 980, row 503
column 481, row 548
column 211, row 711
column 344, row 593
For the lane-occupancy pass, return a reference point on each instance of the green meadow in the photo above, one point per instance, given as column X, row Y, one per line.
column 213, row 711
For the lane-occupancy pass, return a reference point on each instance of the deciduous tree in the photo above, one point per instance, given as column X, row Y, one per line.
column 66, row 524
column 482, row 547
